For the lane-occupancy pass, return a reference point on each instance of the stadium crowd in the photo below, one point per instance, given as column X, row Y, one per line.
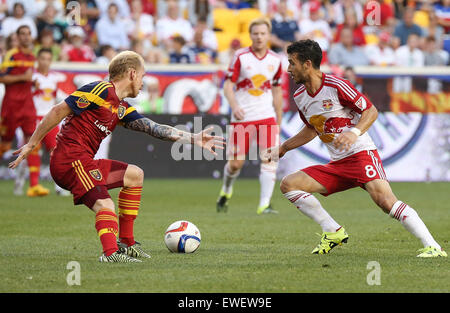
column 350, row 32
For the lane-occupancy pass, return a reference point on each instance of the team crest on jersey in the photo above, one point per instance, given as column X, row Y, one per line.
column 271, row 67
column 327, row 105
column 82, row 102
column 121, row 111
column 96, row 174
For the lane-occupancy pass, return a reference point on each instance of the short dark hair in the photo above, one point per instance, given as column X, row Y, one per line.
column 21, row 27
column 306, row 50
column 45, row 50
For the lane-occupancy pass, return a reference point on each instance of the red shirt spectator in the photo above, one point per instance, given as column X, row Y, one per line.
column 351, row 22
column 386, row 14
column 76, row 50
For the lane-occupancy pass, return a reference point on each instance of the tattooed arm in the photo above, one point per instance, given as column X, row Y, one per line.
column 163, row 132
column 169, row 133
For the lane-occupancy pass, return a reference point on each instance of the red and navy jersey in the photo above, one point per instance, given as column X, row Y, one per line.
column 17, row 62
column 96, row 112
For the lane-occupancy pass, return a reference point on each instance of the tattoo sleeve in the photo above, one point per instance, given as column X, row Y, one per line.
column 163, row 132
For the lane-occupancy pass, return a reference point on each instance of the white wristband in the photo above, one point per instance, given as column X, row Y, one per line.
column 356, row 131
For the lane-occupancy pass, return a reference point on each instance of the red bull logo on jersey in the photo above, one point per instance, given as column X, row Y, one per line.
column 256, row 85
column 337, row 124
column 327, row 105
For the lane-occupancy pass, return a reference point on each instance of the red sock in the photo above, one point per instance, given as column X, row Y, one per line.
column 129, row 202
column 34, row 165
column 107, row 229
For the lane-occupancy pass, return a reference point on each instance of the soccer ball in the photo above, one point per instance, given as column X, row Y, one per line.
column 182, row 237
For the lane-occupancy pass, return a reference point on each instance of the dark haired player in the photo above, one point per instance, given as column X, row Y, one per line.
column 340, row 116
column 91, row 113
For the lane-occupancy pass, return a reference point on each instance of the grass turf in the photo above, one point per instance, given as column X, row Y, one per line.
column 240, row 251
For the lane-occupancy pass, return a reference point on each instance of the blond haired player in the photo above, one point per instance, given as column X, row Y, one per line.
column 91, row 113
column 332, row 109
column 252, row 88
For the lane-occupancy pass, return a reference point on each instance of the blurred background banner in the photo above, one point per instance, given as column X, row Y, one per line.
column 412, row 131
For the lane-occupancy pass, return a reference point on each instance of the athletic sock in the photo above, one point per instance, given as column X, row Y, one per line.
column 228, row 179
column 34, row 165
column 409, row 218
column 129, row 202
column 267, row 179
column 311, row 207
column 107, row 229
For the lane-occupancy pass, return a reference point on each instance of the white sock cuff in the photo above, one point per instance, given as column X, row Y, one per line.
column 269, row 167
column 294, row 195
column 227, row 172
column 397, row 209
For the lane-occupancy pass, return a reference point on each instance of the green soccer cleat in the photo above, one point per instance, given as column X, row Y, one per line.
column 266, row 209
column 134, row 250
column 330, row 240
column 222, row 202
column 431, row 252
column 118, row 257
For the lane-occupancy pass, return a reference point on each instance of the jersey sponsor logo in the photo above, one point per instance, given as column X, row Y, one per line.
column 103, row 128
column 121, row 111
column 82, row 102
column 327, row 105
column 256, row 85
column 96, row 174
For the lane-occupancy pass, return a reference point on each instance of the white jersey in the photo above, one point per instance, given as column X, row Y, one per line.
column 334, row 108
column 254, row 78
column 45, row 93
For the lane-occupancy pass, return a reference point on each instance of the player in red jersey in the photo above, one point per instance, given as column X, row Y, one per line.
column 334, row 110
column 18, row 108
column 91, row 113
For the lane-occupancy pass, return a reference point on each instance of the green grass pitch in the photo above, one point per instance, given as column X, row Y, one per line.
column 240, row 251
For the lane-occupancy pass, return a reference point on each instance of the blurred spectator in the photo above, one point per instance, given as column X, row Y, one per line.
column 30, row 7
column 433, row 56
column 122, row 7
column 405, row 28
column 76, row 50
column 200, row 10
column 179, row 52
column 199, row 52
column 442, row 11
column 141, row 25
column 111, row 30
column 381, row 54
column 316, row 28
column 12, row 41
column 345, row 53
column 41, row 5
column 226, row 56
column 386, row 13
column 352, row 23
column 106, row 54
column 18, row 18
column 350, row 75
column 342, row 7
column 407, row 55
column 148, row 6
column 89, row 14
column 172, row 24
column 150, row 55
column 46, row 40
column 149, row 99
column 237, row 4
column 399, row 7
column 284, row 28
column 209, row 37
column 434, row 29
column 48, row 21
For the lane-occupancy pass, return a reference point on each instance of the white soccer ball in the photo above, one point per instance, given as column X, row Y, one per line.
column 182, row 237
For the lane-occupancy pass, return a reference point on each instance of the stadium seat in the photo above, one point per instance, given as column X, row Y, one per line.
column 224, row 40
column 371, row 39
column 245, row 39
column 225, row 20
column 246, row 16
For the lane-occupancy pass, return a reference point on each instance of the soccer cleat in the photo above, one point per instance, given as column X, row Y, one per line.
column 134, row 250
column 37, row 191
column 222, row 202
column 431, row 252
column 118, row 257
column 266, row 209
column 330, row 240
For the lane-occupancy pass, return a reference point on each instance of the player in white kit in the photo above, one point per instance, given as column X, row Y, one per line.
column 334, row 110
column 252, row 88
column 45, row 97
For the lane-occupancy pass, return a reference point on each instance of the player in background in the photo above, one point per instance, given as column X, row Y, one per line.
column 334, row 110
column 91, row 113
column 45, row 95
column 253, row 90
column 18, row 108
